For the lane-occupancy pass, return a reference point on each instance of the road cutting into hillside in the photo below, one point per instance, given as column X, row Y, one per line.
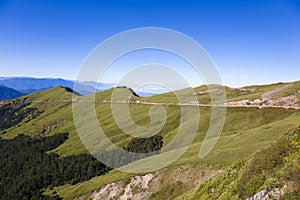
column 158, row 104
column 163, row 104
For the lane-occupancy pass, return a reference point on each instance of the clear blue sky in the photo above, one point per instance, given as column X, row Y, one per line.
column 251, row 42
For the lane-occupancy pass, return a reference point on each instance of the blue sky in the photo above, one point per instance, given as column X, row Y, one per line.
column 251, row 42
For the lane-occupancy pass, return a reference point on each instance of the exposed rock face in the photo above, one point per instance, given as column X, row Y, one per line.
column 291, row 100
column 135, row 189
column 142, row 187
column 258, row 196
column 265, row 195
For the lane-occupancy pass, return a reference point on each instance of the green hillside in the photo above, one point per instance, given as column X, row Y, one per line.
column 246, row 130
column 273, row 168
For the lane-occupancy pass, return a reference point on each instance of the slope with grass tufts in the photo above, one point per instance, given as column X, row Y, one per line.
column 270, row 173
column 246, row 130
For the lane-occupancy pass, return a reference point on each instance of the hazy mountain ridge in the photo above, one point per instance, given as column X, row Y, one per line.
column 7, row 93
column 29, row 85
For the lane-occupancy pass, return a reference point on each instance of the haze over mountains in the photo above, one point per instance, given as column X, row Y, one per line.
column 20, row 86
column 7, row 93
column 28, row 85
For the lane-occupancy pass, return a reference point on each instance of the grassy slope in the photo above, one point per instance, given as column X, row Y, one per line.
column 270, row 168
column 56, row 117
column 235, row 146
column 295, row 86
column 245, row 131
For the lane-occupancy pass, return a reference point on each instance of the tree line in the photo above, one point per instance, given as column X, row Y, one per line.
column 27, row 168
column 14, row 112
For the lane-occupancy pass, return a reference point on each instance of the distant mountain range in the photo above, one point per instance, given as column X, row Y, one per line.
column 7, row 93
column 20, row 86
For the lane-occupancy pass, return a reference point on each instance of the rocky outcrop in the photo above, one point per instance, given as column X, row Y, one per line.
column 258, row 196
column 135, row 189
column 291, row 100
column 142, row 187
column 265, row 195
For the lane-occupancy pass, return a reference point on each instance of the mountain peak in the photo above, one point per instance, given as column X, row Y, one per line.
column 70, row 90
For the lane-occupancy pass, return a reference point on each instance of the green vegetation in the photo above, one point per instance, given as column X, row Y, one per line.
column 176, row 180
column 293, row 87
column 140, row 148
column 145, row 145
column 272, row 167
column 242, row 136
column 13, row 113
column 27, row 168
column 246, row 130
